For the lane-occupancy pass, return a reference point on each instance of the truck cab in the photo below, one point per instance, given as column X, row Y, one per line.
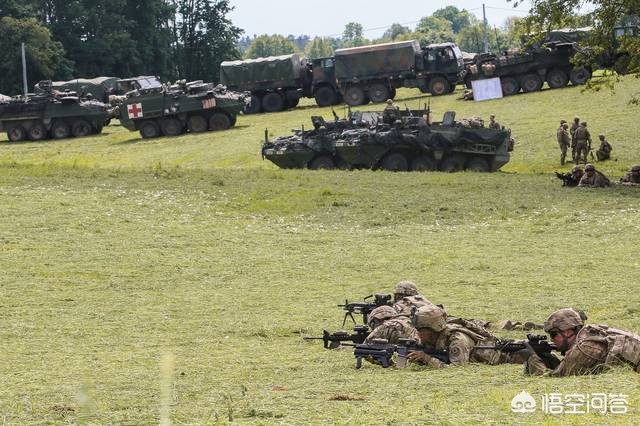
column 324, row 87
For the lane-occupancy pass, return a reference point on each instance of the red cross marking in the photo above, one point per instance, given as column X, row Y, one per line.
column 134, row 110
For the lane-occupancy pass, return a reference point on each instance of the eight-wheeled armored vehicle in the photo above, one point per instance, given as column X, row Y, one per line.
column 155, row 109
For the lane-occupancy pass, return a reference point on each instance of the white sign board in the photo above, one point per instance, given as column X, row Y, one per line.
column 486, row 89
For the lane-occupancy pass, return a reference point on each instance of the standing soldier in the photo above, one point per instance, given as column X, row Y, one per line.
column 583, row 142
column 391, row 113
column 563, row 140
column 574, row 127
column 604, row 151
column 632, row 178
column 587, row 349
column 493, row 124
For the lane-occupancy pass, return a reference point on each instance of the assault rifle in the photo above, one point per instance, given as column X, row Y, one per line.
column 537, row 342
column 364, row 308
column 382, row 352
column 567, row 179
column 333, row 340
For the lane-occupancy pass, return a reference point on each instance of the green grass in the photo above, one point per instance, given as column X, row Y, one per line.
column 187, row 270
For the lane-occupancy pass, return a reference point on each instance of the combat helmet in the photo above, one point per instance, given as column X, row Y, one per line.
column 576, row 168
column 565, row 319
column 589, row 166
column 635, row 168
column 380, row 314
column 429, row 316
column 405, row 288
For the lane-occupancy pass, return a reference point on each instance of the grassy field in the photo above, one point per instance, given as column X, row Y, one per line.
column 174, row 278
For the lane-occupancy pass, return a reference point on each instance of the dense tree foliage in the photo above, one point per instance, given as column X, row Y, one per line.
column 319, row 48
column 269, row 45
column 170, row 38
column 353, row 35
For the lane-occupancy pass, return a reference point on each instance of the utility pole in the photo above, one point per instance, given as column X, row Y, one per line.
column 24, row 73
column 484, row 29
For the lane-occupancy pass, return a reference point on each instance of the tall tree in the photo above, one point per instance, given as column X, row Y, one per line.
column 319, row 48
column 459, row 19
column 45, row 57
column 435, row 30
column 353, row 35
column 395, row 31
column 266, row 45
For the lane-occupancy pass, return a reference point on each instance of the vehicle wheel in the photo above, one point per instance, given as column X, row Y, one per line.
column 171, row 126
column 197, row 124
column 219, row 121
column 423, row 163
column 255, row 106
column 232, row 119
column 453, row 163
column 325, row 96
column 479, row 165
column 37, row 132
column 394, row 162
column 322, row 162
column 16, row 133
column 510, row 86
column 80, row 128
column 355, row 96
column 292, row 103
column 557, row 79
column 439, row 86
column 531, row 83
column 579, row 76
column 60, row 130
column 149, row 129
column 273, row 102
column 379, row 93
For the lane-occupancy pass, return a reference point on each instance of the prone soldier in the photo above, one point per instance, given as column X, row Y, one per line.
column 593, row 178
column 632, row 178
column 571, row 179
column 587, row 349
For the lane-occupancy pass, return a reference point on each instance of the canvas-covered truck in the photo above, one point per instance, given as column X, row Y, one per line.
column 528, row 70
column 373, row 73
column 277, row 83
column 155, row 109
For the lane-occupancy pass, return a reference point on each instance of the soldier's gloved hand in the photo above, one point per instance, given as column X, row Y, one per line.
column 526, row 352
column 418, row 356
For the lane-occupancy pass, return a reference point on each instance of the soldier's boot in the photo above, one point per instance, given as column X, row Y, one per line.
column 562, row 157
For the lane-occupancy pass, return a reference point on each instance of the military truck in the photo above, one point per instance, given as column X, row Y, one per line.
column 46, row 114
column 278, row 82
column 373, row 73
column 357, row 75
column 367, row 140
column 155, row 109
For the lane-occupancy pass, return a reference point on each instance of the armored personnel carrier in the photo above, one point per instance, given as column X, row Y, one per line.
column 155, row 109
column 369, row 140
column 50, row 114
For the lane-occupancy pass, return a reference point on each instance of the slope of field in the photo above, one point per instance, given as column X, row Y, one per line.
column 174, row 278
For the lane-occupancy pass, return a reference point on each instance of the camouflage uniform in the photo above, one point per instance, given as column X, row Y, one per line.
column 632, row 178
column 394, row 329
column 459, row 338
column 574, row 127
column 595, row 347
column 379, row 315
column 583, row 142
column 563, row 141
column 593, row 180
column 604, row 151
column 390, row 113
column 405, row 305
column 493, row 124
column 404, row 288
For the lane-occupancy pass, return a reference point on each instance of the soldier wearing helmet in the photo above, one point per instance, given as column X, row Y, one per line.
column 593, row 178
column 493, row 124
column 563, row 140
column 391, row 113
column 406, row 305
column 604, row 150
column 403, row 289
column 379, row 315
column 632, row 178
column 583, row 142
column 572, row 131
column 587, row 348
column 457, row 336
column 392, row 330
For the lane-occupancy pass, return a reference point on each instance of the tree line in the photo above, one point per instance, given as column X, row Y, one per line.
column 86, row 38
